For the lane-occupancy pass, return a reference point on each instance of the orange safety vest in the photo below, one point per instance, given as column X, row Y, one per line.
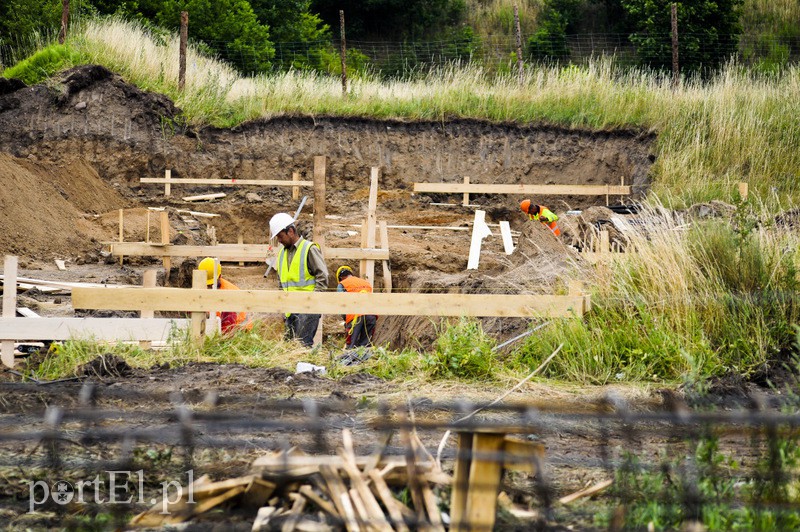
column 356, row 285
column 241, row 317
column 548, row 218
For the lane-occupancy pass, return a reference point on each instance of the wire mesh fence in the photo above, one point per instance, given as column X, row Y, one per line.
column 603, row 465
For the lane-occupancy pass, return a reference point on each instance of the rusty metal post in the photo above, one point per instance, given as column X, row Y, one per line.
column 182, row 58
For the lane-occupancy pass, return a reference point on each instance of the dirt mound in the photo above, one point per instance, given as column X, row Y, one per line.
column 44, row 208
column 107, row 365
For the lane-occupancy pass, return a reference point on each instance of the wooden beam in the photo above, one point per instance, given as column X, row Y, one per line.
column 148, row 281
column 369, row 264
column 233, row 252
column 106, row 329
column 485, row 473
column 9, row 307
column 508, row 241
column 479, row 231
column 199, row 278
column 167, row 181
column 167, row 262
column 278, row 301
column 458, row 497
column 465, row 202
column 230, row 182
column 295, row 187
column 541, row 190
column 202, row 197
column 319, row 199
column 121, row 234
column 387, row 271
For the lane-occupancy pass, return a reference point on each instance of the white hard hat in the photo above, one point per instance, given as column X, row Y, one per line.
column 278, row 223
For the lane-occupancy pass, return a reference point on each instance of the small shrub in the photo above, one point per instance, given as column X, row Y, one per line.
column 463, row 350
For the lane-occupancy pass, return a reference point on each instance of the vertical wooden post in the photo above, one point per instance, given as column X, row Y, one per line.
column 148, row 281
column 147, row 230
column 320, row 162
column 676, row 76
column 605, row 243
column 362, row 263
column 240, row 240
column 343, row 53
column 458, row 497
column 121, row 233
column 9, row 306
column 165, row 240
column 198, row 318
column 519, row 43
column 319, row 200
column 387, row 272
column 743, row 191
column 167, row 186
column 371, row 222
column 295, row 189
column 485, row 473
column 182, row 55
column 62, row 33
column 465, row 201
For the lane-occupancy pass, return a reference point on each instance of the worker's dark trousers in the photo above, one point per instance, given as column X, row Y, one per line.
column 303, row 327
column 362, row 333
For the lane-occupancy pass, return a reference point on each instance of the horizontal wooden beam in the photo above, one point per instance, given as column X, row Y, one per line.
column 234, row 252
column 276, row 301
column 120, row 329
column 227, row 182
column 540, row 190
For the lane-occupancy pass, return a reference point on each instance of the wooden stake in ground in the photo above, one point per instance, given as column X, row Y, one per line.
column 320, row 162
column 62, row 34
column 519, row 43
column 676, row 73
column 743, row 191
column 167, row 186
column 149, row 281
column 167, row 262
column 343, row 52
column 372, row 207
column 199, row 278
column 184, row 37
column 465, row 199
column 121, row 233
column 9, row 306
column 387, row 272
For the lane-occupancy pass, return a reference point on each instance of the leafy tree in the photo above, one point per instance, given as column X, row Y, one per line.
column 229, row 27
column 391, row 19
column 299, row 35
column 549, row 42
column 708, row 31
column 19, row 19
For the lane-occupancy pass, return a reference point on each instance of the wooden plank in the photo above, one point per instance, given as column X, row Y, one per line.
column 522, row 455
column 121, row 233
column 508, row 242
column 479, row 231
column 25, row 312
column 391, row 504
column 465, row 202
column 61, row 265
column 167, row 181
column 240, row 241
column 148, row 281
column 484, row 480
column 339, row 496
column 278, row 301
column 387, row 271
column 743, row 191
column 587, row 492
column 458, row 496
column 541, row 190
column 295, row 187
column 362, row 264
column 27, row 282
column 233, row 252
column 167, row 262
column 122, row 329
column 199, row 278
column 230, row 182
column 197, row 214
column 320, row 162
column 327, row 507
column 372, row 510
column 9, row 307
column 372, row 222
column 203, row 197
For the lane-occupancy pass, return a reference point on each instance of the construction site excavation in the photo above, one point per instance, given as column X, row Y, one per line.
column 127, row 401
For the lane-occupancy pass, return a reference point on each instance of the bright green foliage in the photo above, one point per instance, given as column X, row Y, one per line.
column 708, row 31
column 549, row 42
column 43, row 64
column 229, row 27
column 462, row 350
column 21, row 18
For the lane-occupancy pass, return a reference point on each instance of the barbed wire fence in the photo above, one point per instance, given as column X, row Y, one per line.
column 689, row 464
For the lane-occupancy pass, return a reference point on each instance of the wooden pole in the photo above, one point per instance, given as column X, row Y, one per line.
column 743, row 191
column 198, row 318
column 519, row 43
column 147, row 230
column 62, row 34
column 372, row 222
column 9, row 306
column 165, row 240
column 343, row 53
column 167, row 186
column 149, row 281
column 676, row 76
column 465, row 201
column 319, row 200
column 241, row 242
column 121, row 233
column 362, row 264
column 182, row 56
column 295, row 189
column 387, row 272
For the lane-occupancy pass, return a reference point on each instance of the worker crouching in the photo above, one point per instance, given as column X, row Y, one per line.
column 542, row 214
column 230, row 321
column 359, row 328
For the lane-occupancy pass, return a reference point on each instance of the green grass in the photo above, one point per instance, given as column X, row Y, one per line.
column 42, row 64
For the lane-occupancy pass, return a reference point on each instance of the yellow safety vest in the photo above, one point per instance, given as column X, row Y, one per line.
column 295, row 277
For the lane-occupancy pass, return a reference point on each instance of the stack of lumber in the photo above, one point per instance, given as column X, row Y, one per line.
column 291, row 490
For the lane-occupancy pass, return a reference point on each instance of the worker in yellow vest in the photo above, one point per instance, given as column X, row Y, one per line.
column 231, row 321
column 542, row 214
column 359, row 328
column 301, row 268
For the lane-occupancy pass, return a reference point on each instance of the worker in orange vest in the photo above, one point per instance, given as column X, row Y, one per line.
column 230, row 320
column 541, row 213
column 360, row 328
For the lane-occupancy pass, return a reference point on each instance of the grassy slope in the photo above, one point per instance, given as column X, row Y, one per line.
column 691, row 312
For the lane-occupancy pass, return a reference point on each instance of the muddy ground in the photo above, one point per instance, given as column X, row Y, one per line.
column 72, row 154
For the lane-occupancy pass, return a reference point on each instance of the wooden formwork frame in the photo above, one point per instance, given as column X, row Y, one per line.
column 168, row 181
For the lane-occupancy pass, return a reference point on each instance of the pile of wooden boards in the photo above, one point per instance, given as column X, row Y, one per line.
column 292, row 490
